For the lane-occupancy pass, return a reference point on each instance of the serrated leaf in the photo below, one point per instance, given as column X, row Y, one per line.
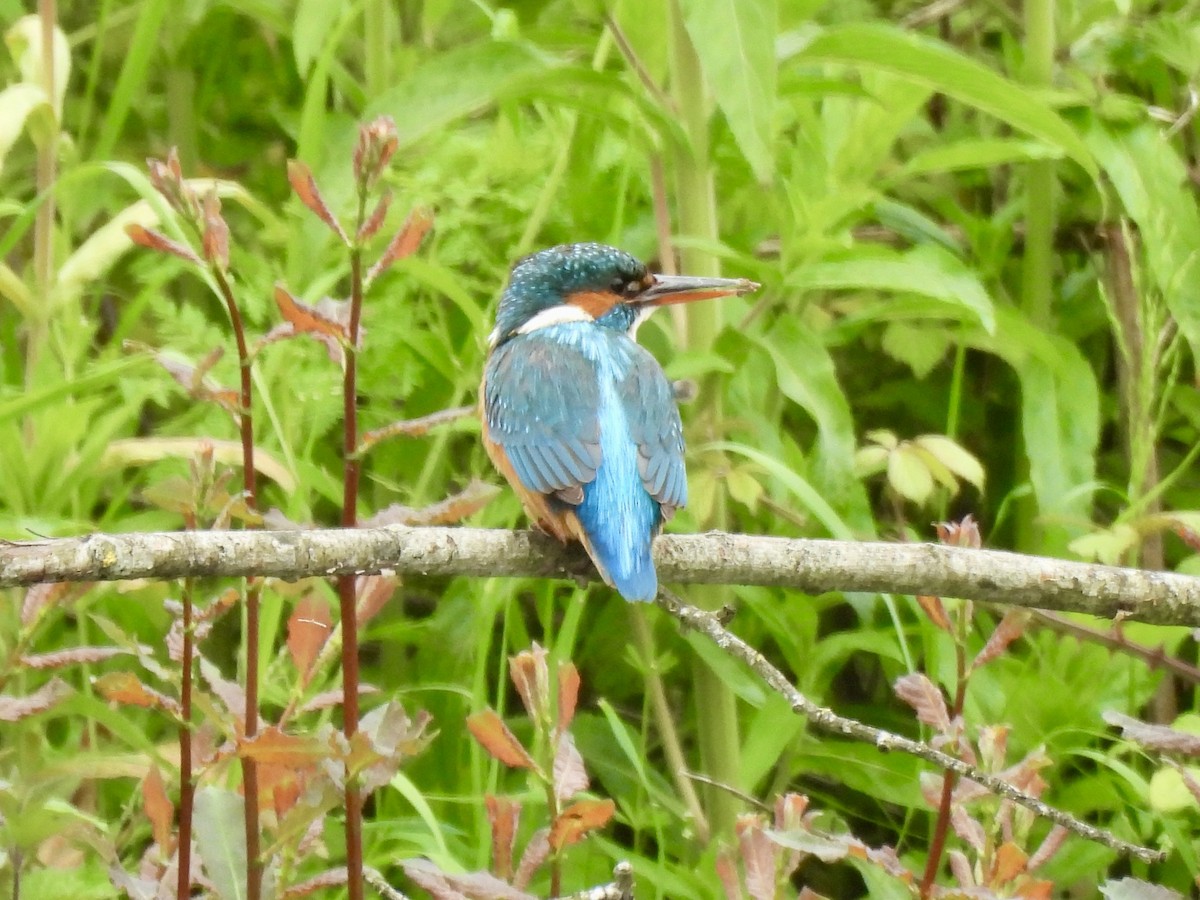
column 921, row 349
column 925, row 698
column 735, row 41
column 574, row 822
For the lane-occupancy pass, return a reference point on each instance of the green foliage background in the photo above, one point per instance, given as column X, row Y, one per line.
column 934, row 207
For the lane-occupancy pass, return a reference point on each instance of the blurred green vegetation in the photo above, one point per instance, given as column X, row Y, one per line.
column 978, row 249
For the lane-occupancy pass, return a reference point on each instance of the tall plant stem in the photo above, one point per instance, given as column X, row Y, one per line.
column 347, row 594
column 377, row 64
column 254, row 864
column 43, row 229
column 187, row 786
column 720, row 746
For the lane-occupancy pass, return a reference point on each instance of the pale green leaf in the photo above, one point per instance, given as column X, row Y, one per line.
column 743, row 487
column 939, row 66
column 221, row 840
column 18, row 103
column 24, row 41
column 908, row 475
column 312, row 25
column 954, row 457
column 735, row 41
column 870, row 460
column 1106, row 547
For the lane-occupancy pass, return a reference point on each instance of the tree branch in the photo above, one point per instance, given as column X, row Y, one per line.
column 830, row 722
column 812, row 566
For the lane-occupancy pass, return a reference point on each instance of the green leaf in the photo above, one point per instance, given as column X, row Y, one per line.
column 221, row 840
column 311, row 27
column 1060, row 420
column 976, row 153
column 938, row 66
column 735, row 40
column 1155, row 190
column 921, row 349
column 805, row 374
column 452, row 85
column 927, row 270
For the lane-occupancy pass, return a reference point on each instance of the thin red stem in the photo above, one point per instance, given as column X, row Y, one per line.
column 187, row 787
column 254, row 863
column 347, row 594
column 942, row 827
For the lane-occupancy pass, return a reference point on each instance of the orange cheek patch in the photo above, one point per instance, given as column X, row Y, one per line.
column 594, row 303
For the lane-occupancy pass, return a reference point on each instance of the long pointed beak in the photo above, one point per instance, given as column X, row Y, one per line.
column 668, row 289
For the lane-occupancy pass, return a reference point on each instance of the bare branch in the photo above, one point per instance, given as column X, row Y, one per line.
column 830, row 722
column 811, row 566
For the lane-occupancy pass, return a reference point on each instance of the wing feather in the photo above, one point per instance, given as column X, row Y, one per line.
column 655, row 425
column 541, row 405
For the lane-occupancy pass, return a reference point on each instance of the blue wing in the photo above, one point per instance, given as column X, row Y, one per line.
column 655, row 427
column 541, row 403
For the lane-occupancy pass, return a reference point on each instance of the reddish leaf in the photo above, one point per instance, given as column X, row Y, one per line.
column 124, row 687
column 960, row 534
column 394, row 737
column 1008, row 862
column 489, row 729
column 1155, row 737
column 306, row 189
column 193, row 380
column 569, row 775
column 134, row 888
column 330, row 878
column 307, row 319
column 230, row 693
column 472, row 886
column 374, row 591
column 158, row 808
column 758, row 858
column 41, row 597
column 377, row 144
column 574, row 822
column 789, row 811
column 1048, row 848
column 531, row 676
column 728, row 876
column 271, row 745
column 926, row 698
column 504, row 816
column 968, row 829
column 807, row 893
column 13, row 709
column 961, row 869
column 417, row 427
column 1011, row 627
column 309, row 627
column 568, row 694
column 537, row 851
column 405, row 243
column 215, row 234
column 70, row 657
column 936, row 611
column 374, row 222
column 160, row 243
column 331, row 698
column 1036, row 890
column 450, row 511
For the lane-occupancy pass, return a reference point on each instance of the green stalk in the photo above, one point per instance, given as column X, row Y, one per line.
column 43, row 229
column 717, row 715
column 377, row 63
column 1037, row 283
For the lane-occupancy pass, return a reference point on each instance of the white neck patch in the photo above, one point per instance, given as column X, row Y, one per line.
column 555, row 315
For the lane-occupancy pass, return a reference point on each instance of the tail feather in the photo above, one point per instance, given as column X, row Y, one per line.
column 633, row 577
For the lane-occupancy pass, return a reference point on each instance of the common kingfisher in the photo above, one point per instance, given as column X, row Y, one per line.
column 577, row 416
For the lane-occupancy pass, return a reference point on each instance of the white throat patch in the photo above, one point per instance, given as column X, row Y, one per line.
column 555, row 315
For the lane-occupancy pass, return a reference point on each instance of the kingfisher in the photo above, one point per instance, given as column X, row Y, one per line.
column 580, row 418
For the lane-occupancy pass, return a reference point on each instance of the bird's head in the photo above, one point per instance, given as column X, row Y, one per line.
column 594, row 283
